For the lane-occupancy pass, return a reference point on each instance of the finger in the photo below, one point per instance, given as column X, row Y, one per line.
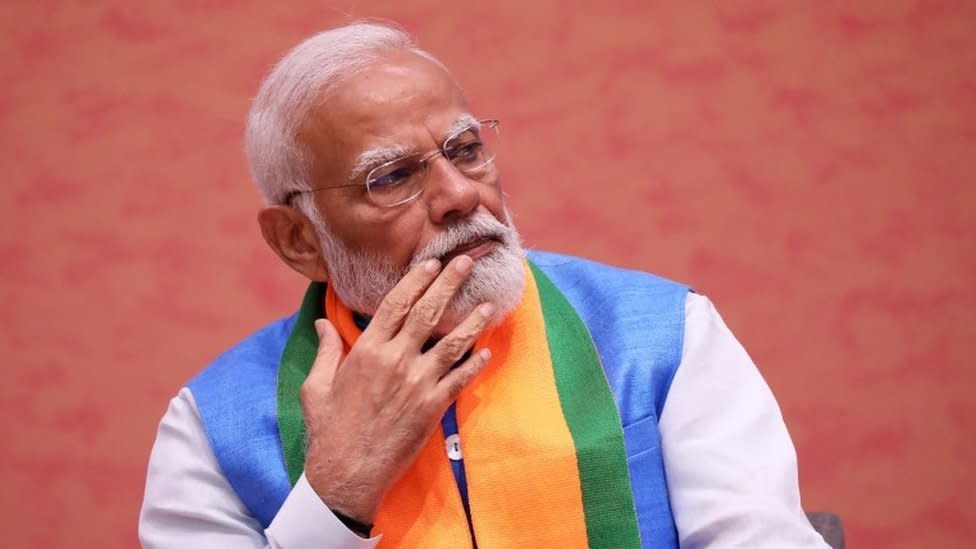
column 427, row 311
column 396, row 305
column 452, row 347
column 450, row 386
column 327, row 359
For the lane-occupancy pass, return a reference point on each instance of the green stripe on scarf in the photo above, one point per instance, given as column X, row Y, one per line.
column 296, row 363
column 593, row 420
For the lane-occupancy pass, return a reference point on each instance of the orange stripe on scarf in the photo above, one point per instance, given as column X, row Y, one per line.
column 523, row 483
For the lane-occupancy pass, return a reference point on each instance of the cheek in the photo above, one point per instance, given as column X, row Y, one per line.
column 370, row 231
column 404, row 236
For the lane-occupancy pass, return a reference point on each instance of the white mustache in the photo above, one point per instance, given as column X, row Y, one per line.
column 478, row 227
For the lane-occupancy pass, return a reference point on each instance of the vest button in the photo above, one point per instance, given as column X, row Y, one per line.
column 453, row 445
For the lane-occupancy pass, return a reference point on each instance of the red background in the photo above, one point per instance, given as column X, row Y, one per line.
column 809, row 167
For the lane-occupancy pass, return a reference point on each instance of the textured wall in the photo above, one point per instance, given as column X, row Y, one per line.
column 809, row 168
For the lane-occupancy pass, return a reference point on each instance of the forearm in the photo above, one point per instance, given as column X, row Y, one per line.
column 189, row 503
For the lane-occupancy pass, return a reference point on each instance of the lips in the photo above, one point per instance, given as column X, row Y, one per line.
column 475, row 249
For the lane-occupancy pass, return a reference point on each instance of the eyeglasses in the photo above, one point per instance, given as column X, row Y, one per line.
column 399, row 181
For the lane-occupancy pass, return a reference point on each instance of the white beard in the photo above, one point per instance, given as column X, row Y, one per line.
column 362, row 279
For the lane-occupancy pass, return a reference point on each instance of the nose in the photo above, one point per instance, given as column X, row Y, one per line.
column 449, row 193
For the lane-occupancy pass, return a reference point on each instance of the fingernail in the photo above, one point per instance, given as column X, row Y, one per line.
column 485, row 354
column 320, row 325
column 431, row 265
column 487, row 309
column 462, row 264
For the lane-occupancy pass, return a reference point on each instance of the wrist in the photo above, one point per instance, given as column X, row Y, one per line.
column 361, row 529
column 346, row 503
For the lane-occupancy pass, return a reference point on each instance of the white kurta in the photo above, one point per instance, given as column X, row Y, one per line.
column 729, row 461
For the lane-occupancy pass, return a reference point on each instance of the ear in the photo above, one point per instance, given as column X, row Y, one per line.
column 292, row 236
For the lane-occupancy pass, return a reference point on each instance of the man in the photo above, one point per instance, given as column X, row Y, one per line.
column 438, row 389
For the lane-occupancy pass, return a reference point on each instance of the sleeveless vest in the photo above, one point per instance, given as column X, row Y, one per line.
column 636, row 321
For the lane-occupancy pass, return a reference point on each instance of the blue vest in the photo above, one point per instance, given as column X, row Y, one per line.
column 637, row 324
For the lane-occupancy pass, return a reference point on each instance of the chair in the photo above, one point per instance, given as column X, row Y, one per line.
column 829, row 526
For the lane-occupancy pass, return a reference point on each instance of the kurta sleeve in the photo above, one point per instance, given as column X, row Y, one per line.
column 730, row 464
column 189, row 503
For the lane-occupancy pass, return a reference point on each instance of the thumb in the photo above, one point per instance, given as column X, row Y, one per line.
column 329, row 354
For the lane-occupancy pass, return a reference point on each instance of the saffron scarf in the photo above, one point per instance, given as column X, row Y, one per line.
column 540, row 434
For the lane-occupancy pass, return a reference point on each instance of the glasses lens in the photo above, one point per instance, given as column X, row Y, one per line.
column 473, row 150
column 396, row 181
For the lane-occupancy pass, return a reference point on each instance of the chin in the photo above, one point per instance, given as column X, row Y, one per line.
column 498, row 278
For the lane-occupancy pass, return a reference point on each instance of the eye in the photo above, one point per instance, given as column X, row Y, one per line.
column 389, row 177
column 468, row 151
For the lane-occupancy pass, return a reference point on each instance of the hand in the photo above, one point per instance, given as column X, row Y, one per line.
column 368, row 414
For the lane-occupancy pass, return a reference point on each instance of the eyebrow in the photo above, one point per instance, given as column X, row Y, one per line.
column 464, row 123
column 380, row 155
column 374, row 157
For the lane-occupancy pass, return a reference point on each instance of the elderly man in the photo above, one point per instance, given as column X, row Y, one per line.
column 439, row 387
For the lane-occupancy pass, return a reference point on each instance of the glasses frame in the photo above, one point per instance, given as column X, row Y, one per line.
column 492, row 123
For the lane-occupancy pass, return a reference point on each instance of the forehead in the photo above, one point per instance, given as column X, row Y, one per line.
column 402, row 99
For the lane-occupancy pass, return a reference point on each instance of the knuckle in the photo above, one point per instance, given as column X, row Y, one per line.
column 471, row 332
column 452, row 348
column 399, row 372
column 471, row 369
column 454, row 389
column 396, row 304
column 426, row 312
column 393, row 355
column 412, row 378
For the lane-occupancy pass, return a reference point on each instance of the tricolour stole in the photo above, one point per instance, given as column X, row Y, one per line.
column 540, row 433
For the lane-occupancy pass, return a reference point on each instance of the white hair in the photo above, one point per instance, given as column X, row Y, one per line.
column 301, row 81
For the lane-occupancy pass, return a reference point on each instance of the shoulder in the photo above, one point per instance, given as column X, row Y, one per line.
column 257, row 355
column 236, row 399
column 587, row 270
column 637, row 323
column 585, row 278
